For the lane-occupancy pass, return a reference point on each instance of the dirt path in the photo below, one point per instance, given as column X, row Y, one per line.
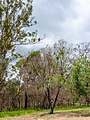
column 59, row 115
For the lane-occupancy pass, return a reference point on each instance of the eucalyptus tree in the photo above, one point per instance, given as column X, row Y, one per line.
column 80, row 72
column 15, row 19
column 52, row 70
column 61, row 66
column 11, row 93
column 28, row 70
column 48, row 69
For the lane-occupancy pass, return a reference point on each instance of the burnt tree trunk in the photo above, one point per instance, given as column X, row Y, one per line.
column 26, row 100
column 51, row 101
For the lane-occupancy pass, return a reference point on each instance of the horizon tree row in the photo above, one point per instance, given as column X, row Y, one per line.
column 52, row 76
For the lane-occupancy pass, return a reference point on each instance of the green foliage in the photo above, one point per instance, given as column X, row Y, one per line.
column 80, row 76
column 15, row 17
column 20, row 63
column 34, row 53
column 41, row 76
column 61, row 53
column 60, row 79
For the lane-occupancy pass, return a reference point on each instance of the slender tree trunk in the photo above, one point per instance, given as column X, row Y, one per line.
column 49, row 97
column 87, row 100
column 73, row 102
column 54, row 103
column 51, row 109
column 19, row 102
column 1, row 107
column 26, row 105
column 43, row 103
column 51, row 102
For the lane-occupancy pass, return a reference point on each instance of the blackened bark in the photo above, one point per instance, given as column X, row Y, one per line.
column 87, row 100
column 56, row 96
column 49, row 97
column 51, row 102
column 43, row 103
column 26, row 105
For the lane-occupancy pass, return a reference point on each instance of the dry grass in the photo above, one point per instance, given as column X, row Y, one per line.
column 58, row 115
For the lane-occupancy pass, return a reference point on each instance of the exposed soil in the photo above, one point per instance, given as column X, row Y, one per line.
column 59, row 115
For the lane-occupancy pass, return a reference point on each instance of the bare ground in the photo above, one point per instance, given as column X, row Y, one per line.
column 58, row 115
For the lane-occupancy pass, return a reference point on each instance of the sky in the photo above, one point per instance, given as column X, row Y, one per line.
column 60, row 19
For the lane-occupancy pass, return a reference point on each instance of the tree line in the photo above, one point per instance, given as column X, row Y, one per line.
column 52, row 76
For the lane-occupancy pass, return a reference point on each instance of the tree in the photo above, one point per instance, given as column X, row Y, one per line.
column 80, row 72
column 55, row 75
column 50, row 68
column 27, row 70
column 15, row 18
column 60, row 67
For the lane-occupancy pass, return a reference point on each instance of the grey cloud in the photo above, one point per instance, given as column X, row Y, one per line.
column 51, row 14
column 86, row 26
column 48, row 14
column 61, row 19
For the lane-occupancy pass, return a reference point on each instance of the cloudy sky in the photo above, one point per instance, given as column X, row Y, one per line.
column 61, row 19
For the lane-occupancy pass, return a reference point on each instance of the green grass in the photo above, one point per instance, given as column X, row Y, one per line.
column 35, row 110
column 72, row 107
column 19, row 112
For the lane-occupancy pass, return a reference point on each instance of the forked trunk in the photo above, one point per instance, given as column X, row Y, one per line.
column 53, row 103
